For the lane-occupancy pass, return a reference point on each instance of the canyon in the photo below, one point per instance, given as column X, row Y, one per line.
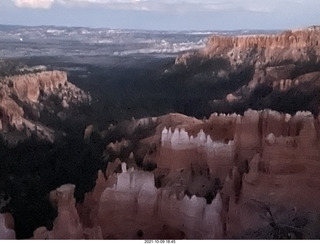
column 232, row 152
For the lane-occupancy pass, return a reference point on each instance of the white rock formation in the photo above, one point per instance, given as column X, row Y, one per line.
column 180, row 140
column 134, row 204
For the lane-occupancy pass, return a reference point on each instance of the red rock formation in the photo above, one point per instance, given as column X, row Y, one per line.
column 292, row 45
column 11, row 113
column 268, row 166
column 67, row 224
column 27, row 87
column 133, row 208
column 278, row 60
column 289, row 39
column 6, row 227
column 283, row 160
column 33, row 90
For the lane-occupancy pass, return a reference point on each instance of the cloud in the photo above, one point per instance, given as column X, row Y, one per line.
column 177, row 6
column 45, row 4
column 156, row 5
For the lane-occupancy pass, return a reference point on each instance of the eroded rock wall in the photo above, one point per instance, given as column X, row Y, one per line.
column 279, row 63
column 134, row 208
column 274, row 167
column 24, row 97
column 260, row 179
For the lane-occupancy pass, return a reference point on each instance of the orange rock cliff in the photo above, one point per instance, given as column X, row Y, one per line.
column 281, row 61
column 35, row 90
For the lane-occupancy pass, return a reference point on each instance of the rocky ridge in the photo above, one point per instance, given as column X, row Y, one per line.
column 24, row 98
column 285, row 62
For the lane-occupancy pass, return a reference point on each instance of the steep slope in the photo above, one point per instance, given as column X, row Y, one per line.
column 28, row 101
column 285, row 70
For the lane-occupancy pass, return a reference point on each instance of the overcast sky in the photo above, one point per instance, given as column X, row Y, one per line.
column 164, row 14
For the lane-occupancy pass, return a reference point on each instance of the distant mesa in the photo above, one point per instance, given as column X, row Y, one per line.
column 262, row 69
